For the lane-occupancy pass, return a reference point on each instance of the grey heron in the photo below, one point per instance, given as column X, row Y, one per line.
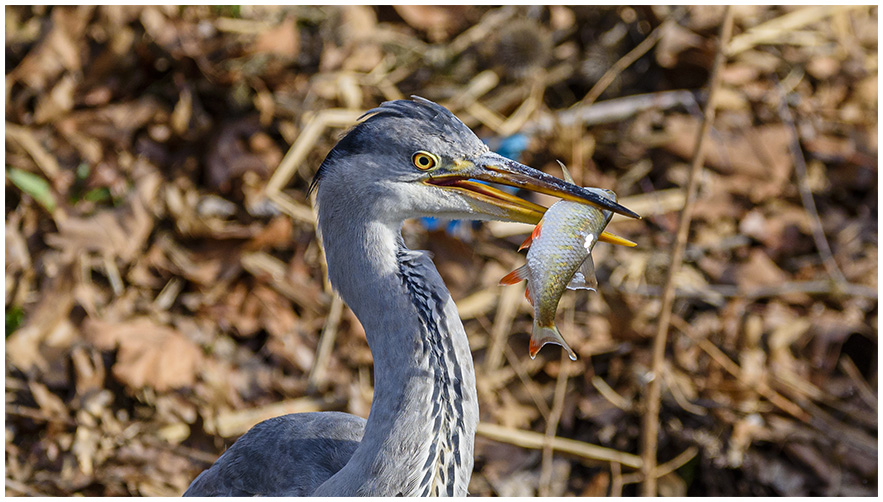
column 409, row 158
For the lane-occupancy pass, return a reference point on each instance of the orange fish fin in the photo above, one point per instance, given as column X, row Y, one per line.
column 534, row 235
column 615, row 239
column 527, row 294
column 515, row 276
column 542, row 335
column 533, row 348
column 527, row 242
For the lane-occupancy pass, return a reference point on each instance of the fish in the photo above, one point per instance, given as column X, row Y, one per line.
column 560, row 258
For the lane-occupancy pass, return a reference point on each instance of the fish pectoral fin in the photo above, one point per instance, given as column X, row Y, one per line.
column 542, row 335
column 527, row 294
column 533, row 235
column 527, row 242
column 615, row 239
column 515, row 276
column 584, row 278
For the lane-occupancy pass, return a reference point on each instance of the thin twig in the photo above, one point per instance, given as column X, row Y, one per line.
column 666, row 468
column 709, row 292
column 615, row 479
column 507, row 309
column 624, row 62
column 42, row 158
column 535, row 440
column 651, row 414
column 865, row 391
column 22, row 488
column 609, row 110
column 529, row 384
column 552, row 426
column 316, row 379
column 762, row 388
column 235, row 422
column 790, row 22
column 818, row 233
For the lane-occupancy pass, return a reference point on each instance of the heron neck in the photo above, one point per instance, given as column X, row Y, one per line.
column 420, row 431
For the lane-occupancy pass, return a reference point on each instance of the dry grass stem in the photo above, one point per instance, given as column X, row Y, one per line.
column 552, row 426
column 790, row 22
column 535, row 440
column 818, row 233
column 650, row 422
column 623, row 63
column 317, row 377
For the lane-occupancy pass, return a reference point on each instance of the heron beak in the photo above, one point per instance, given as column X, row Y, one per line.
column 497, row 169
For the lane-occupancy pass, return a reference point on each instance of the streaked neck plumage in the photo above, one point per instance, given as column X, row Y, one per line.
column 420, row 431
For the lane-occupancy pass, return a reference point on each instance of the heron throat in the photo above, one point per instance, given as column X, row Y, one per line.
column 421, row 427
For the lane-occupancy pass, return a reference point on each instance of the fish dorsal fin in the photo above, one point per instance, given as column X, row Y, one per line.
column 515, row 276
column 584, row 278
column 567, row 177
column 534, row 235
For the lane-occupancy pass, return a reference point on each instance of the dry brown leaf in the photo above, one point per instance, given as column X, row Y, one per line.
column 358, row 22
column 277, row 233
column 760, row 270
column 761, row 153
column 675, row 40
column 150, row 354
column 59, row 50
column 114, row 123
column 54, row 104
column 119, row 232
column 437, row 21
column 282, row 40
column 23, row 346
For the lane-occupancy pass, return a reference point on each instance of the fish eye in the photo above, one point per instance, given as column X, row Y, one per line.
column 424, row 160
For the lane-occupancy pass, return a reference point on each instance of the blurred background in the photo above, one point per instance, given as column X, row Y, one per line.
column 165, row 290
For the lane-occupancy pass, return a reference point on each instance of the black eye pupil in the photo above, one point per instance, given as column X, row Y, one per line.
column 423, row 161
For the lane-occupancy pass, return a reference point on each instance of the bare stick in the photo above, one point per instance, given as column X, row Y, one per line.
column 790, row 22
column 507, row 308
column 865, row 391
column 530, row 385
column 711, row 291
column 22, row 488
column 762, row 388
column 666, row 468
column 552, row 426
column 624, row 62
column 818, row 233
column 326, row 344
column 535, row 440
column 651, row 413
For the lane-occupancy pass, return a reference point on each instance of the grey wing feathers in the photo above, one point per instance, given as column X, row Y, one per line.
column 289, row 455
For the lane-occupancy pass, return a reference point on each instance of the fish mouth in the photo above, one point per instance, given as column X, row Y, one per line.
column 465, row 177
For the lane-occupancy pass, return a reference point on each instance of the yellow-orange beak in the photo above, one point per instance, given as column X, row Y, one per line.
column 494, row 168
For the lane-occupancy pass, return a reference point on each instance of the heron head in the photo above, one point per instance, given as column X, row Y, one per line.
column 414, row 158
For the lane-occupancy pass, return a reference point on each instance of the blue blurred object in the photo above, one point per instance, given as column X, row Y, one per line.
column 510, row 147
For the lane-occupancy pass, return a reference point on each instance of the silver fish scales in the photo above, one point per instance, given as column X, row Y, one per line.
column 560, row 258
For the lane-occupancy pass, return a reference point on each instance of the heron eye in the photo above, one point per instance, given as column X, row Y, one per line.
column 424, row 160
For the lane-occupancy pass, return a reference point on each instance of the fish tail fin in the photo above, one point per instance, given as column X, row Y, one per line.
column 515, row 276
column 547, row 334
